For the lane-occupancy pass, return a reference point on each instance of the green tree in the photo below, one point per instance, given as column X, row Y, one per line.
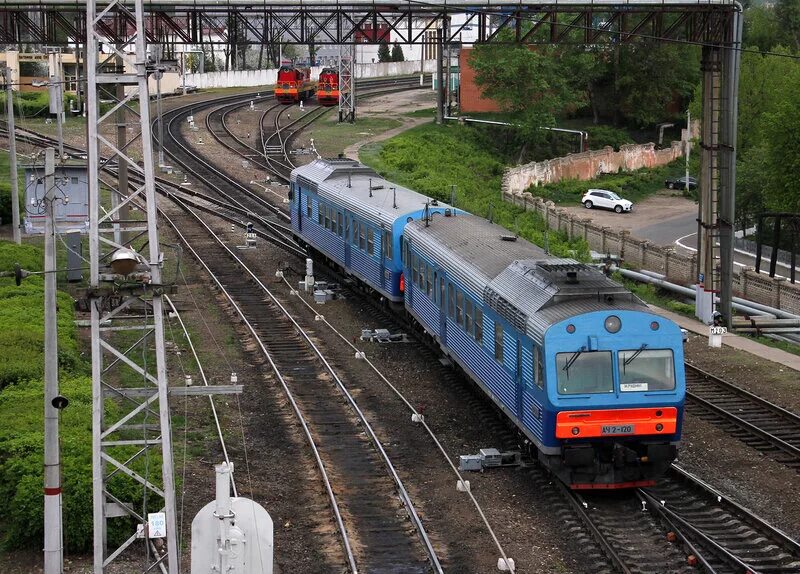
column 761, row 28
column 651, row 76
column 397, row 53
column 383, row 52
column 788, row 14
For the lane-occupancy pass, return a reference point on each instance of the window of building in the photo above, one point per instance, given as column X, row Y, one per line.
column 460, row 307
column 370, row 241
column 479, row 324
column 468, row 316
column 498, row 343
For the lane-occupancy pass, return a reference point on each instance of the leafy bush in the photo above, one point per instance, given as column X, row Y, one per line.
column 601, row 136
column 635, row 185
column 21, row 464
column 22, row 319
column 430, row 159
column 34, row 104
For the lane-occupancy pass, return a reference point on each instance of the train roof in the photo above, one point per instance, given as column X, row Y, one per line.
column 526, row 286
column 348, row 182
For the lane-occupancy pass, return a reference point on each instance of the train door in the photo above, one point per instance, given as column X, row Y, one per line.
column 298, row 194
column 520, row 384
column 439, row 296
column 348, row 224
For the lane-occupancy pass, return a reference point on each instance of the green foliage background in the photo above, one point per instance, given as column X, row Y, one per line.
column 429, row 159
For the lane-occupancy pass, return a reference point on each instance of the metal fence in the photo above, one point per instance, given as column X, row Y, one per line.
column 680, row 269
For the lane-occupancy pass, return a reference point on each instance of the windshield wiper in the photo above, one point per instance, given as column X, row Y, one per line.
column 632, row 358
column 573, row 358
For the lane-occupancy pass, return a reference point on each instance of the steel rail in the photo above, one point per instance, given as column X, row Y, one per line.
column 405, row 497
column 306, row 430
column 780, row 413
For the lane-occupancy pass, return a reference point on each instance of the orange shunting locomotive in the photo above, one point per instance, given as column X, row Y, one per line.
column 294, row 85
column 328, row 87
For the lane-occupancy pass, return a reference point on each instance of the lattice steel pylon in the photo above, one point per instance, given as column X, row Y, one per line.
column 347, row 82
column 128, row 437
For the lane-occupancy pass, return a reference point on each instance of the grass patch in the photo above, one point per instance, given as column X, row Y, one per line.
column 654, row 296
column 331, row 137
column 430, row 159
column 423, row 113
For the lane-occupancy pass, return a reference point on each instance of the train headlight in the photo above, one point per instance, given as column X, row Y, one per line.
column 612, row 324
column 576, row 430
column 654, row 325
column 570, row 328
column 659, row 427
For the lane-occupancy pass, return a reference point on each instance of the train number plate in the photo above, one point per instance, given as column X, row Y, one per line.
column 618, row 429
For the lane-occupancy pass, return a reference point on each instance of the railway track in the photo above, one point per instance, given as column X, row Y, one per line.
column 682, row 525
column 753, row 420
column 380, row 529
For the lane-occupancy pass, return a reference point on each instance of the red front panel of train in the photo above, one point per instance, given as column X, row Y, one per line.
column 616, row 422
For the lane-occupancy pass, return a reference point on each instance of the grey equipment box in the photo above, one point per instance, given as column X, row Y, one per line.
column 469, row 462
column 490, row 457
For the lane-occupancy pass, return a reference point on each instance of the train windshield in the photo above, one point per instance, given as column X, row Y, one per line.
column 646, row 370
column 583, row 372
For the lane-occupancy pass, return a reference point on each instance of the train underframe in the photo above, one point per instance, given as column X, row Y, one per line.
column 611, row 465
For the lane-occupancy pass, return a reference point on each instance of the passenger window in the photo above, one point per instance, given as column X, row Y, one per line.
column 460, row 307
column 362, row 241
column 388, row 247
column 429, row 290
column 479, row 324
column 355, row 233
column 327, row 211
column 451, row 301
column 339, row 220
column 468, row 316
column 441, row 293
column 435, row 288
column 498, row 343
column 422, row 266
column 320, row 217
column 308, row 205
column 538, row 375
column 370, row 241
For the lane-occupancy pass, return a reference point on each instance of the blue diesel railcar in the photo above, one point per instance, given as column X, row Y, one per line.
column 350, row 214
column 587, row 373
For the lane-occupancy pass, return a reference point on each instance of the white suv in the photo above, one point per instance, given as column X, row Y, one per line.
column 607, row 199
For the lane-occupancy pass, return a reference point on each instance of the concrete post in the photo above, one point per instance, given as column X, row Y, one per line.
column 12, row 152
column 53, row 552
column 777, row 287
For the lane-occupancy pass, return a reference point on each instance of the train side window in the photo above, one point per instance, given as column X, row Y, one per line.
column 414, row 269
column 479, row 324
column 362, row 241
column 451, row 301
column 498, row 342
column 441, row 292
column 468, row 316
column 388, row 248
column 334, row 225
column 327, row 217
column 538, row 374
column 308, row 205
column 436, row 288
column 355, row 233
column 320, row 207
column 460, row 307
column 340, row 218
column 370, row 241
column 430, row 290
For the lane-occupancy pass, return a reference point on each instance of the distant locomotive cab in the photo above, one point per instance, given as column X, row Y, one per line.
column 293, row 85
column 328, row 87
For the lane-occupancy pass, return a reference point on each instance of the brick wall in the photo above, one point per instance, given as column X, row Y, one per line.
column 470, row 96
column 588, row 165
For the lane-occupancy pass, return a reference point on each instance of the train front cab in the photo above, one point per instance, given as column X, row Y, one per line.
column 615, row 397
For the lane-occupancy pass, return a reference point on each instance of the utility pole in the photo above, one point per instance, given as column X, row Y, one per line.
column 688, row 145
column 56, row 90
column 12, row 152
column 440, row 74
column 53, row 550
